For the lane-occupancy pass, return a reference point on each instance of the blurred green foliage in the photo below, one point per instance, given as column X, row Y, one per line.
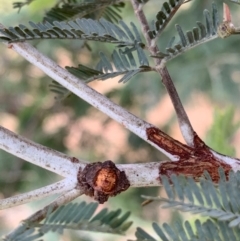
column 222, row 131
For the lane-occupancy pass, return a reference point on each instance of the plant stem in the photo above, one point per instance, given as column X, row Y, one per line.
column 56, row 188
column 184, row 123
column 142, row 175
column 78, row 87
column 139, row 175
column 37, row 154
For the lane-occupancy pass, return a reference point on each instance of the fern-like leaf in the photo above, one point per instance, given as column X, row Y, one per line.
column 221, row 202
column 75, row 216
column 19, row 5
column 61, row 92
column 82, row 72
column 183, row 231
column 164, row 16
column 95, row 9
column 72, row 9
column 85, row 29
column 199, row 35
column 81, row 217
column 123, row 64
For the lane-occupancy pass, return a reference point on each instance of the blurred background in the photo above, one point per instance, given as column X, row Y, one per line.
column 207, row 79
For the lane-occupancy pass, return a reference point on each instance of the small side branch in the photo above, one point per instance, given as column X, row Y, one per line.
column 184, row 123
column 144, row 25
column 56, row 188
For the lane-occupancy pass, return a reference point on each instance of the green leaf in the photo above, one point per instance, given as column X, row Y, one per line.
column 85, row 29
column 164, row 16
column 191, row 39
column 183, row 231
column 220, row 202
column 75, row 216
column 222, row 131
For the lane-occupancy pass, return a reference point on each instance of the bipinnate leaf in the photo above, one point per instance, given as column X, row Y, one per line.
column 75, row 216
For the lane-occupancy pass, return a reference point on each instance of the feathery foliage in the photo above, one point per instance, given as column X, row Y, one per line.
column 185, row 231
column 124, row 63
column 85, row 29
column 220, row 202
column 88, row 9
column 223, row 130
column 164, row 16
column 75, row 216
column 19, row 5
column 199, row 35
column 72, row 9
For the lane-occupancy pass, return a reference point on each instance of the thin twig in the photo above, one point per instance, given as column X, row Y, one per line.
column 188, row 133
column 184, row 123
column 137, row 7
column 56, row 188
column 41, row 214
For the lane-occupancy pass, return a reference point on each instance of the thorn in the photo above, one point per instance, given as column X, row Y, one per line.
column 226, row 28
column 226, row 13
column 146, row 202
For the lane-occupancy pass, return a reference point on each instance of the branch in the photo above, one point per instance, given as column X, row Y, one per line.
column 188, row 133
column 191, row 163
column 56, row 188
column 78, row 87
column 184, row 123
column 37, row 154
column 139, row 175
column 142, row 175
